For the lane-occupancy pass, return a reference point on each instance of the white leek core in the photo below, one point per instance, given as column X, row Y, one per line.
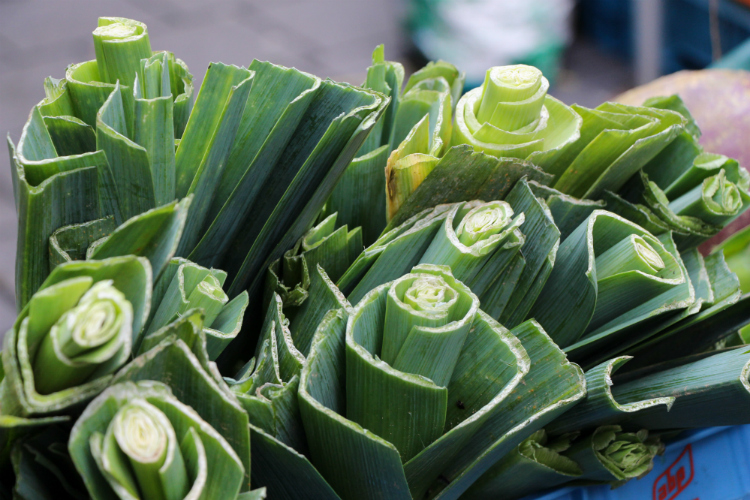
column 484, row 221
column 521, row 85
column 419, row 301
column 115, row 31
column 91, row 339
column 632, row 253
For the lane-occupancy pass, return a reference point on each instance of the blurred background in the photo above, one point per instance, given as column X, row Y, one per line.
column 591, row 50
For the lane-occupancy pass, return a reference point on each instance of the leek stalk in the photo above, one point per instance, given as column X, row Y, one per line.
column 74, row 334
column 140, row 441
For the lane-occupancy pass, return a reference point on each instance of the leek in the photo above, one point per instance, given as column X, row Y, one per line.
column 176, row 355
column 683, row 189
column 422, row 130
column 464, row 175
column 140, row 441
column 536, row 464
column 267, row 388
column 433, row 237
column 511, row 115
column 715, row 318
column 550, row 388
column 76, row 331
column 428, row 296
column 332, row 247
column 359, row 197
column 185, row 286
column 80, row 138
column 612, row 456
column 625, row 294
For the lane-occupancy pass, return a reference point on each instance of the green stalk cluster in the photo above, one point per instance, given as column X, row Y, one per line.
column 334, row 248
column 501, row 227
column 407, row 142
column 679, row 188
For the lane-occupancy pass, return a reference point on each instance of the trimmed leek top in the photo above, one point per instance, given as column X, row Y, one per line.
column 147, row 461
column 120, row 44
column 683, row 190
column 608, row 454
column 408, row 333
column 136, row 440
column 74, row 333
column 94, row 336
column 511, row 115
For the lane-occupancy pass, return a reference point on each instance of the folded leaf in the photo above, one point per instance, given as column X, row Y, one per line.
column 600, row 406
column 711, row 391
column 41, row 180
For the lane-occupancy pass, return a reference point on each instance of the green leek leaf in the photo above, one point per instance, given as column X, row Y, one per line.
column 359, row 197
column 537, row 464
column 600, row 406
column 711, row 391
column 41, row 180
column 616, row 141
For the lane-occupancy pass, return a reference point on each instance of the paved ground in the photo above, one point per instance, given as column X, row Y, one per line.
column 334, row 38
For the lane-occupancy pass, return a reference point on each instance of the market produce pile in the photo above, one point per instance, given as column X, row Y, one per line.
column 371, row 292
